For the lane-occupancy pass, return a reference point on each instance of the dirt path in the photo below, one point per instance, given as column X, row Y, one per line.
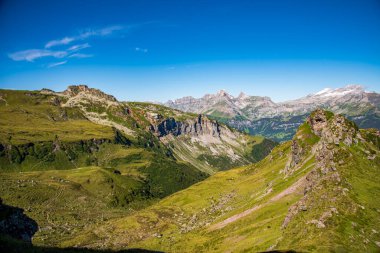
column 289, row 190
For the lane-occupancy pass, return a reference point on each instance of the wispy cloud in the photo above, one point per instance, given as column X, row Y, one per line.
column 31, row 54
column 64, row 41
column 85, row 35
column 66, row 48
column 80, row 56
column 55, row 64
column 78, row 47
column 143, row 50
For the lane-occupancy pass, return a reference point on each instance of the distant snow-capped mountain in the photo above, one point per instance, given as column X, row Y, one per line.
column 260, row 115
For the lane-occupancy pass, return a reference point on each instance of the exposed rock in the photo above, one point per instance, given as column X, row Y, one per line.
column 332, row 131
column 335, row 130
column 318, row 121
column 74, row 90
column 55, row 101
column 195, row 127
column 262, row 116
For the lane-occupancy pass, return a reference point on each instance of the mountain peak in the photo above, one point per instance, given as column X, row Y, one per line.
column 334, row 128
column 74, row 90
column 223, row 93
column 349, row 89
column 242, row 95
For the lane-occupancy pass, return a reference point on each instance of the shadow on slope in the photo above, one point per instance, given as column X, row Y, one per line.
column 9, row 244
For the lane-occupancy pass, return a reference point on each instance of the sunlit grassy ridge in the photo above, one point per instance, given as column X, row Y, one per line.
column 29, row 116
column 330, row 209
column 39, row 135
column 75, row 160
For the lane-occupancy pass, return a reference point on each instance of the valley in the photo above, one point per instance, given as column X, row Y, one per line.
column 78, row 158
column 96, row 173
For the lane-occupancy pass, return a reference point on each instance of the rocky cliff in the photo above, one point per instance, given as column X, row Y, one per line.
column 200, row 125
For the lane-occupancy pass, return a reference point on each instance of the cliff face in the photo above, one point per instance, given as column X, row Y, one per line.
column 196, row 127
column 202, row 141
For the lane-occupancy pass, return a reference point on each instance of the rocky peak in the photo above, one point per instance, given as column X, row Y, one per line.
column 74, row 90
column 318, row 121
column 242, row 96
column 222, row 93
column 333, row 128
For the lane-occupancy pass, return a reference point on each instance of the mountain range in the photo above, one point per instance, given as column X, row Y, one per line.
column 278, row 121
column 81, row 171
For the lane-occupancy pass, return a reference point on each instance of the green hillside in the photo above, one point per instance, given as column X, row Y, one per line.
column 76, row 159
column 316, row 193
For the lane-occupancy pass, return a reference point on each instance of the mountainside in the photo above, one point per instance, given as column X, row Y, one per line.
column 83, row 119
column 316, row 193
column 279, row 121
column 78, row 157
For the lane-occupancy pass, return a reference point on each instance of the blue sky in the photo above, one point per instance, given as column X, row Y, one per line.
column 159, row 50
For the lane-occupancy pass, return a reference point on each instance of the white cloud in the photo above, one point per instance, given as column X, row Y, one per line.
column 80, row 56
column 55, row 64
column 109, row 30
column 64, row 41
column 70, row 52
column 32, row 54
column 78, row 47
column 84, row 35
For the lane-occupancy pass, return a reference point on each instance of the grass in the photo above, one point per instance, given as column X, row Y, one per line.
column 89, row 185
column 182, row 222
column 244, row 186
column 64, row 202
column 52, row 184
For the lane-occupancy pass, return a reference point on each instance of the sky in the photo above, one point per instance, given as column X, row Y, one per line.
column 159, row 50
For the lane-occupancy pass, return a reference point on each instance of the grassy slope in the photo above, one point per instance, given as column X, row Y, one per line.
column 219, row 197
column 64, row 202
column 189, row 220
column 28, row 116
column 56, row 188
column 37, row 135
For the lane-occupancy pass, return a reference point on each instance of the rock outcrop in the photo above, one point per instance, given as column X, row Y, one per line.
column 201, row 125
column 332, row 130
column 74, row 90
column 335, row 129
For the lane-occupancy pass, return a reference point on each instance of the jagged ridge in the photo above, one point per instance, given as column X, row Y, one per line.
column 279, row 121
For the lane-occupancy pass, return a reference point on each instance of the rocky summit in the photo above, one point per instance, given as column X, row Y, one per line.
column 279, row 121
